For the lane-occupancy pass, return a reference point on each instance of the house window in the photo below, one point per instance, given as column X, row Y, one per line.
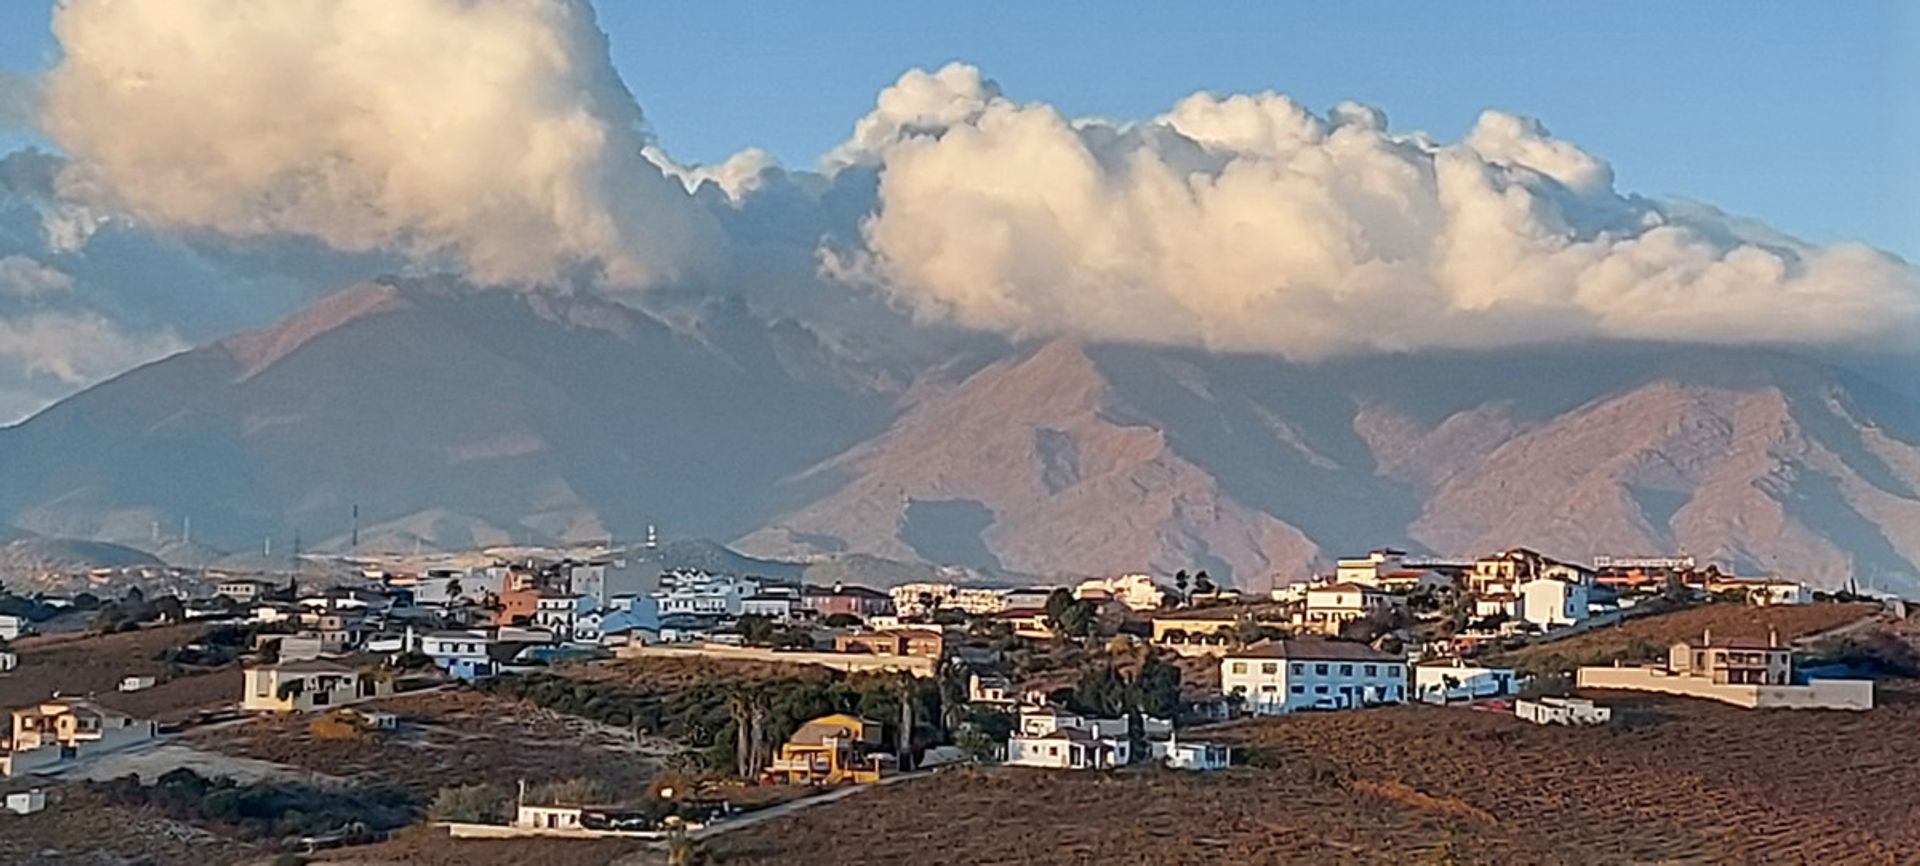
column 1299, row 669
column 1053, row 751
column 1393, row 671
column 1268, row 689
column 1346, row 690
column 1320, row 669
column 1373, row 670
column 1298, row 690
column 1239, row 667
column 1319, row 690
column 1346, row 670
column 1270, row 668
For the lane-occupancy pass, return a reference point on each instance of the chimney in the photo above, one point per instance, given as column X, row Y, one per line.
column 1773, row 637
column 1706, row 637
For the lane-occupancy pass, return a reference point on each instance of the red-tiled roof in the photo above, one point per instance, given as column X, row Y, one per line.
column 1348, row 586
column 1314, row 649
column 1740, row 643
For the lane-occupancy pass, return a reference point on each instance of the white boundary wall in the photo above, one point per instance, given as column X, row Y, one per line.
column 1816, row 695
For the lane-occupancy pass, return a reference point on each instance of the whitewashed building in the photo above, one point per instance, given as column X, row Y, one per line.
column 704, row 594
column 1453, row 680
column 1135, row 591
column 913, row 599
column 1282, row 676
column 1553, row 601
column 1069, row 749
column 1192, row 755
column 27, row 802
column 1562, row 711
column 569, row 617
column 1334, row 605
column 12, row 627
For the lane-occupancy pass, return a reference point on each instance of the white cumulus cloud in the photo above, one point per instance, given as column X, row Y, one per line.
column 78, row 348
column 494, row 134
column 22, row 277
column 1249, row 222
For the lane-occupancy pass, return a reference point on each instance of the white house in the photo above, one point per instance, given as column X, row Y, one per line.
column 589, row 580
column 26, row 802
column 698, row 592
column 1331, row 606
column 1562, row 711
column 1135, row 591
column 12, row 627
column 1765, row 592
column 564, row 615
column 977, row 601
column 472, row 653
column 1068, row 749
column 1191, row 755
column 1041, row 721
column 1454, row 680
column 1367, row 569
column 445, row 588
column 1552, row 601
column 1282, row 676
column 241, row 589
column 527, row 816
column 8, row 661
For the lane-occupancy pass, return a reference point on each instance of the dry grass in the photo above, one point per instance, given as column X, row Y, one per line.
column 84, row 829
column 1675, row 781
column 665, row 674
column 451, row 737
column 1647, row 637
column 426, row 846
column 81, row 664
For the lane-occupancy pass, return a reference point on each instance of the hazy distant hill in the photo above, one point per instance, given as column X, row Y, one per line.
column 555, row 418
column 1098, row 459
column 456, row 418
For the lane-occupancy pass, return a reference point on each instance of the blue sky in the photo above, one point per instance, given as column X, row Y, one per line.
column 1803, row 115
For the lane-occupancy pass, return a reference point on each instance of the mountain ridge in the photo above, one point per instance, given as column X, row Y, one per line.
column 443, row 410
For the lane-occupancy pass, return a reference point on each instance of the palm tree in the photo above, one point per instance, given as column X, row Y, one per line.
column 905, row 756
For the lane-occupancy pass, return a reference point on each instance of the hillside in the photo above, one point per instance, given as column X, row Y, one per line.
column 1671, row 781
column 447, row 416
column 454, row 418
column 1100, row 459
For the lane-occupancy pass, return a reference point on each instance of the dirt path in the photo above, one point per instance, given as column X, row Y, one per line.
column 655, row 853
column 1878, row 618
column 152, row 761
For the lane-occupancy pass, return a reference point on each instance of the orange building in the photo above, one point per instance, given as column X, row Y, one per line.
column 831, row 749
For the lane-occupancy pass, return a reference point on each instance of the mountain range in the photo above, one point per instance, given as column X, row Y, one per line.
column 454, row 417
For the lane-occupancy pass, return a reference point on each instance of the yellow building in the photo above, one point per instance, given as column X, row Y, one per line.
column 67, row 722
column 831, row 749
column 305, row 686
